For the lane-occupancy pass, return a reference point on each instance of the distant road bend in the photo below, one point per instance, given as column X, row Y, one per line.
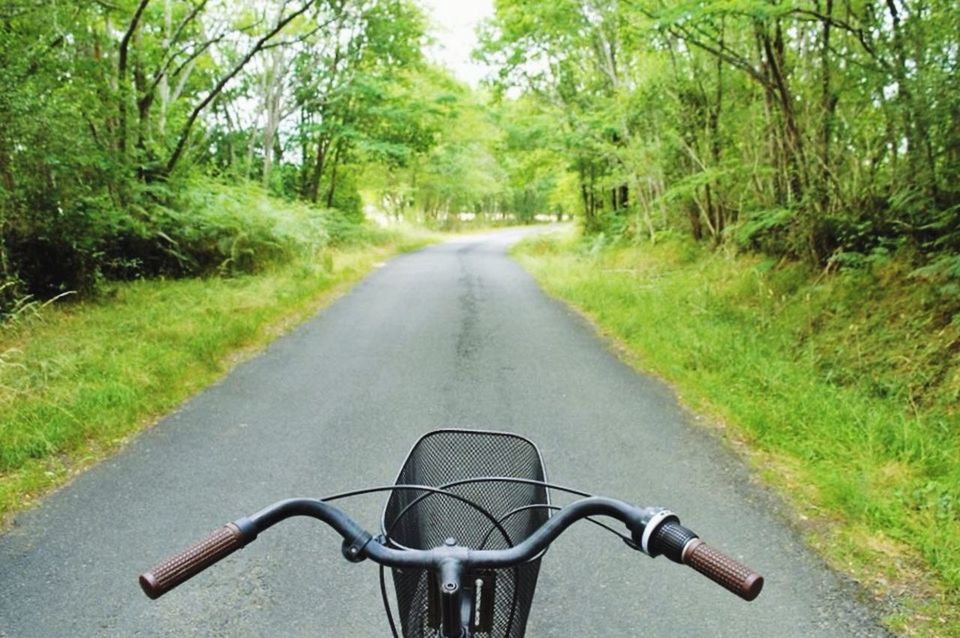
column 456, row 335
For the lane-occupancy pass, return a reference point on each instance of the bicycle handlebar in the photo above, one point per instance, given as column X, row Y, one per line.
column 655, row 531
column 193, row 560
column 681, row 545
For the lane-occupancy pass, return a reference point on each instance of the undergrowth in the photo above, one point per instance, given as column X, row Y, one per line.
column 196, row 227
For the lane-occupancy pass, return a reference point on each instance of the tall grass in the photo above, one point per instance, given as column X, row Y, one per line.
column 234, row 229
column 845, row 386
column 213, row 228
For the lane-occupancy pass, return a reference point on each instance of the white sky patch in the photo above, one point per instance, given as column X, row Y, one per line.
column 454, row 24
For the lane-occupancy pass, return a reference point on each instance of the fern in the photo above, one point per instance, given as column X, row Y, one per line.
column 758, row 223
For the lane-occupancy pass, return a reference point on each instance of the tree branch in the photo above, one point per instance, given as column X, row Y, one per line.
column 188, row 126
column 723, row 54
column 187, row 20
column 161, row 72
column 843, row 25
column 296, row 40
column 122, row 74
column 125, row 42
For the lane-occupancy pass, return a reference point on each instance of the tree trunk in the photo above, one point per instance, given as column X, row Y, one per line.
column 123, row 91
column 163, row 86
column 794, row 141
column 314, row 188
column 787, row 141
column 273, row 98
column 920, row 157
column 715, row 202
column 828, row 107
column 333, row 174
column 143, row 102
column 589, row 223
column 696, row 226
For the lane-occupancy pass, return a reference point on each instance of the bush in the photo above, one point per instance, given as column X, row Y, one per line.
column 217, row 229
column 198, row 228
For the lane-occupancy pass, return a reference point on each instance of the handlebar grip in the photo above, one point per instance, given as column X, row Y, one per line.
column 723, row 570
column 193, row 560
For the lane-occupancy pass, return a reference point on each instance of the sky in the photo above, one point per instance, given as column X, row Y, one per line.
column 454, row 24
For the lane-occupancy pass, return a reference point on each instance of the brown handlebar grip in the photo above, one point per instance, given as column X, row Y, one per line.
column 723, row 570
column 191, row 561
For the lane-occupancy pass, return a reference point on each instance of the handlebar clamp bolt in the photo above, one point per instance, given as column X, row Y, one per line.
column 353, row 552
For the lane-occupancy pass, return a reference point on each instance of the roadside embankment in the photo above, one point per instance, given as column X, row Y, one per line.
column 77, row 378
column 842, row 389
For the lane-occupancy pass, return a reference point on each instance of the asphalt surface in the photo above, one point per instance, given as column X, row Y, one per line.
column 456, row 335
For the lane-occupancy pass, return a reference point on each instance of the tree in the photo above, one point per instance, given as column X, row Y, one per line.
column 808, row 129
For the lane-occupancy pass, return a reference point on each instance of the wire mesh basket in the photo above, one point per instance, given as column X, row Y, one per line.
column 489, row 514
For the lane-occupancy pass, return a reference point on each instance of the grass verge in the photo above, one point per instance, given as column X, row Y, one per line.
column 77, row 380
column 844, row 390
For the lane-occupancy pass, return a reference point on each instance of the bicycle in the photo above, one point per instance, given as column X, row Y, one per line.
column 464, row 529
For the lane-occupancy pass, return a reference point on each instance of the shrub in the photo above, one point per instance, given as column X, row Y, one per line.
column 197, row 227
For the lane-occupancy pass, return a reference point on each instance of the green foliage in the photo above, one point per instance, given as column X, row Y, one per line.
column 233, row 230
column 641, row 117
column 759, row 229
column 475, row 158
column 944, row 270
column 113, row 112
column 353, row 94
column 204, row 228
column 719, row 116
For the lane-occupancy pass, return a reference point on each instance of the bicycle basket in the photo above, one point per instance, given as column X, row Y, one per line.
column 421, row 520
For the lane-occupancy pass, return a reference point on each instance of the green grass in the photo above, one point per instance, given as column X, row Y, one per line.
column 844, row 387
column 78, row 379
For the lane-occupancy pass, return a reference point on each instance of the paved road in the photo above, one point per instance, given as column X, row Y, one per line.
column 454, row 335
